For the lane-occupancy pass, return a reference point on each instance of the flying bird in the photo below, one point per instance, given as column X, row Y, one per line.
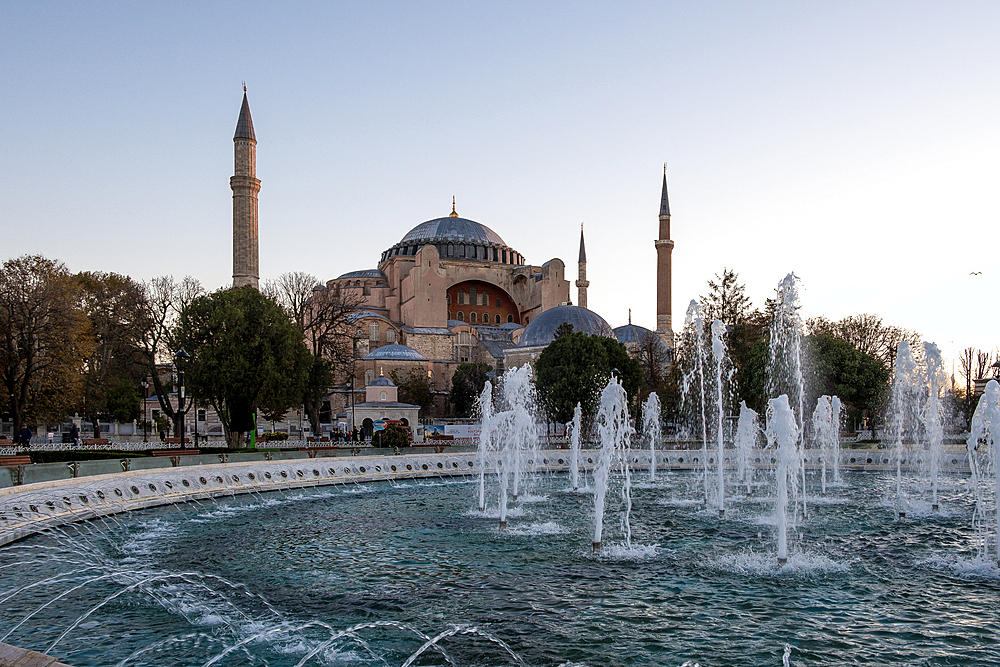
column 976, row 273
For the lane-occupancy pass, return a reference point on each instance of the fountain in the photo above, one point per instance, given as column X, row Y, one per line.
column 574, row 446
column 933, row 416
column 693, row 381
column 984, row 459
column 747, row 436
column 651, row 429
column 394, row 559
column 906, row 389
column 782, row 434
column 723, row 376
column 612, row 425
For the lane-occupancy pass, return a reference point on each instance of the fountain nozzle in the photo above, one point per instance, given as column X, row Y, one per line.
column 503, row 525
column 597, row 547
column 722, row 514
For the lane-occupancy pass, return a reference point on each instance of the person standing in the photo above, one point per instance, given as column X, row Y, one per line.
column 24, row 435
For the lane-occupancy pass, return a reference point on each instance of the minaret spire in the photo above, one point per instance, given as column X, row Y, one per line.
column 246, row 186
column 664, row 250
column 582, row 283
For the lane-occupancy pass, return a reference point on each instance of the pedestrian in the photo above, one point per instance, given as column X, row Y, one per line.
column 74, row 433
column 25, row 436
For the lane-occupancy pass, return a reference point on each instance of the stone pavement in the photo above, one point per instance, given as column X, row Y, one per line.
column 12, row 656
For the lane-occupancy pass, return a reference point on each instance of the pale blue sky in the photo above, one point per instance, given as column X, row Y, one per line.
column 856, row 144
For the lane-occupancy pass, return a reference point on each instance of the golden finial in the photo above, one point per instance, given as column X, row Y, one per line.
column 244, row 87
column 453, row 214
column 380, row 374
column 664, row 168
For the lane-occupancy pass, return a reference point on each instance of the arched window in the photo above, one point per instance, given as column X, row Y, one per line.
column 498, row 318
column 373, row 332
column 486, row 299
column 461, row 316
column 461, row 298
column 510, row 318
column 472, row 317
column 473, row 296
column 390, row 335
column 382, row 396
column 486, row 318
column 449, row 314
column 447, row 299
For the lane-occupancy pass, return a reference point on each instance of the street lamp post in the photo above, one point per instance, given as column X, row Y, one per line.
column 180, row 360
column 145, row 422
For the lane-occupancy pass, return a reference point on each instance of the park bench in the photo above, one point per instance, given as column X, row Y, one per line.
column 95, row 441
column 15, row 460
column 174, row 452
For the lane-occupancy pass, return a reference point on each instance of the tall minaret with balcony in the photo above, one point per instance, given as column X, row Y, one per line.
column 664, row 249
column 246, row 269
column 581, row 282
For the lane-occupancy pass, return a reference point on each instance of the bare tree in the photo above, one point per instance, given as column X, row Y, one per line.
column 966, row 368
column 153, row 320
column 983, row 360
column 44, row 339
column 323, row 314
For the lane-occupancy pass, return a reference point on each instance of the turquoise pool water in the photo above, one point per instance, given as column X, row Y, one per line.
column 412, row 573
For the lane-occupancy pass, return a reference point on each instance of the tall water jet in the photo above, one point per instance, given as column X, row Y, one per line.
column 782, row 435
column 906, row 389
column 694, row 379
column 933, row 415
column 652, row 429
column 826, row 426
column 835, row 410
column 984, row 460
column 723, row 375
column 747, row 435
column 485, row 439
column 613, row 429
column 515, row 430
column 574, row 447
column 786, row 363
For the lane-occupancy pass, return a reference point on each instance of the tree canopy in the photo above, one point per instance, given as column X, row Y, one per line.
column 466, row 385
column 245, row 355
column 575, row 367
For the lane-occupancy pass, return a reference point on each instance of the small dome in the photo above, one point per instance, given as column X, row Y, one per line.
column 542, row 330
column 633, row 334
column 396, row 353
column 381, row 381
column 364, row 273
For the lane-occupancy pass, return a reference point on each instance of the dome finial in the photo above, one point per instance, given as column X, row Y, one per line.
column 453, row 214
column 244, row 86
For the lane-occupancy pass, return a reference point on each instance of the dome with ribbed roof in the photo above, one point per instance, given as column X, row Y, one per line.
column 456, row 238
column 542, row 330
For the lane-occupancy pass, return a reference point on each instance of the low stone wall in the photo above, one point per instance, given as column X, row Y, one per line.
column 102, row 488
column 12, row 656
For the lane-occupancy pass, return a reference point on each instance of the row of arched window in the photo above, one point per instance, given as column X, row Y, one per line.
column 462, row 251
column 472, row 299
column 475, row 319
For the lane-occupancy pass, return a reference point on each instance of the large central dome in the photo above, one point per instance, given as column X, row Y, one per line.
column 457, row 239
column 452, row 229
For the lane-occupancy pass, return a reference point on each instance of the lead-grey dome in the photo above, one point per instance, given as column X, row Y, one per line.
column 381, row 381
column 456, row 238
column 396, row 352
column 542, row 330
column 452, row 229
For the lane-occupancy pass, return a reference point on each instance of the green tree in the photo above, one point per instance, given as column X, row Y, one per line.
column 245, row 354
column 467, row 384
column 837, row 368
column 395, row 435
column 574, row 369
column 44, row 340
column 115, row 360
column 726, row 300
column 414, row 388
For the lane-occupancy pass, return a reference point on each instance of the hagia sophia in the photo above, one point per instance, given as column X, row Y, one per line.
column 449, row 291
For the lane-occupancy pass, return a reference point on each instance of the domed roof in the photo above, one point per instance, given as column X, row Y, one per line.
column 542, row 330
column 633, row 334
column 396, row 352
column 452, row 229
column 381, row 381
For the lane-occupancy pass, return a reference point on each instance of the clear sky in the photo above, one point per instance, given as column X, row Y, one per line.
column 854, row 143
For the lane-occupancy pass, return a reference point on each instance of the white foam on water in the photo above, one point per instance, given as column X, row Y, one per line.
column 533, row 529
column 963, row 568
column 620, row 552
column 758, row 563
column 530, row 498
column 678, row 502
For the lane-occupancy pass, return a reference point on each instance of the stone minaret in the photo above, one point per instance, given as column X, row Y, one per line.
column 582, row 283
column 246, row 270
column 664, row 248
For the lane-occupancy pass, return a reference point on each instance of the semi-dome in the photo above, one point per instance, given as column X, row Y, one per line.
column 456, row 238
column 396, row 352
column 542, row 330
